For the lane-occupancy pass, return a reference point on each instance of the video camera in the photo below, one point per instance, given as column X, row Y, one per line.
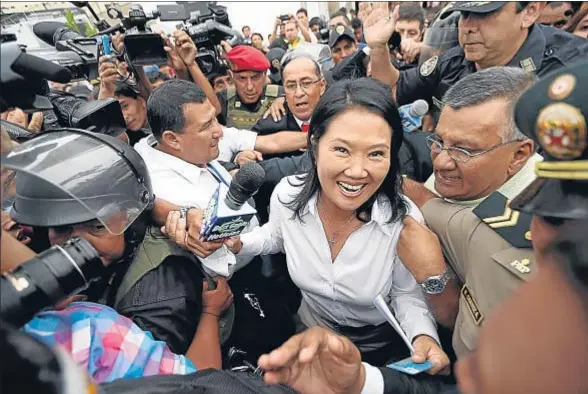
column 207, row 24
column 72, row 50
column 142, row 47
column 25, row 77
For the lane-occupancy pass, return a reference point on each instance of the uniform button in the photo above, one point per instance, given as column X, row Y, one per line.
column 549, row 52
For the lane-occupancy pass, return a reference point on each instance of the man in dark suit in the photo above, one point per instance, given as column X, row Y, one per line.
column 304, row 85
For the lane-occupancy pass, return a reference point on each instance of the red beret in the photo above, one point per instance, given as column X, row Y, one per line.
column 246, row 58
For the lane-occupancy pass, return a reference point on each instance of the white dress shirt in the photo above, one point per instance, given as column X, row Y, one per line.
column 234, row 141
column 300, row 122
column 185, row 184
column 343, row 291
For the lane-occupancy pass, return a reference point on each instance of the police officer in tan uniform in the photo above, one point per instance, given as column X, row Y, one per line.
column 488, row 250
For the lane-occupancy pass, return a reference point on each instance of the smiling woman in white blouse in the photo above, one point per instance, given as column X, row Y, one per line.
column 339, row 225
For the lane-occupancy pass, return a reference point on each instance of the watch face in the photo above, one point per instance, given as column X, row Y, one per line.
column 433, row 286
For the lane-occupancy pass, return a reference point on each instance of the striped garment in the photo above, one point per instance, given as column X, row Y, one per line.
column 109, row 346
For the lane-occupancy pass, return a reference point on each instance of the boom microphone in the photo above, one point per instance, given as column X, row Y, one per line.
column 30, row 66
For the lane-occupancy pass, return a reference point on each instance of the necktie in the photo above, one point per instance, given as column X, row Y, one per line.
column 305, row 127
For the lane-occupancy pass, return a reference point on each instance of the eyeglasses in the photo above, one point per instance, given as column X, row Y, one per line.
column 291, row 87
column 461, row 155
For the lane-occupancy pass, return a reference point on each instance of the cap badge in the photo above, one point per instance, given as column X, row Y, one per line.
column 561, row 87
column 561, row 131
column 340, row 29
column 428, row 66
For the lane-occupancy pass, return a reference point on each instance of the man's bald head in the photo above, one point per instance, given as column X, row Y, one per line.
column 303, row 83
column 298, row 62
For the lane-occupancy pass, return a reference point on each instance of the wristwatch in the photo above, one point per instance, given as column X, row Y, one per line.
column 436, row 284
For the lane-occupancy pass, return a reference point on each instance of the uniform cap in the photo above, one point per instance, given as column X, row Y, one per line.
column 339, row 32
column 247, row 58
column 477, row 7
column 554, row 113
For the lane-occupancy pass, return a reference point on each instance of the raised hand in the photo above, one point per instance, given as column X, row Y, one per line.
column 185, row 47
column 378, row 25
column 317, row 361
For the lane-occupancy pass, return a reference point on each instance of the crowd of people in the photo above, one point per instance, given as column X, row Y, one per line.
column 471, row 229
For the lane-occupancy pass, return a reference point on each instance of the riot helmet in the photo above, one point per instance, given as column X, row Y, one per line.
column 70, row 176
column 441, row 35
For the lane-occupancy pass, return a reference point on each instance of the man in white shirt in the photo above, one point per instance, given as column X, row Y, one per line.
column 187, row 141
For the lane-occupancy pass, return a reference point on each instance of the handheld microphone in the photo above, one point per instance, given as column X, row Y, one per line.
column 412, row 115
column 228, row 212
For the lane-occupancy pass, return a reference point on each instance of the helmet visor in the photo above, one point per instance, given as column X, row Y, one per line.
column 440, row 37
column 94, row 177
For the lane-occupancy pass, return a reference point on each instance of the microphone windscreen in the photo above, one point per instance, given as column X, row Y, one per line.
column 420, row 108
column 30, row 66
column 245, row 183
column 46, row 30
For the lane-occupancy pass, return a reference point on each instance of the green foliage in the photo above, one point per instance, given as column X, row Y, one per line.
column 70, row 21
column 86, row 29
column 89, row 30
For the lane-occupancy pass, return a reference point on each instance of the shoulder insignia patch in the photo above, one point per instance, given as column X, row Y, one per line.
column 521, row 266
column 428, row 66
column 528, row 64
column 511, row 225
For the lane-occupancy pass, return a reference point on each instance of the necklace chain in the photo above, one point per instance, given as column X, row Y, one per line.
column 333, row 238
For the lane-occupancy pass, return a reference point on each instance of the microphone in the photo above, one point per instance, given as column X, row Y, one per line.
column 24, row 76
column 33, row 67
column 412, row 115
column 228, row 212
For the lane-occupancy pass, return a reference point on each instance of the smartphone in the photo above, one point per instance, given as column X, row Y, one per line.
column 284, row 18
column 106, row 44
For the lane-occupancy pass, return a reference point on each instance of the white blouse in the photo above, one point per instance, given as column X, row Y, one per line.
column 368, row 265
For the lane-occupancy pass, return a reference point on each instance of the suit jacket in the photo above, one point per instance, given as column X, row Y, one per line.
column 268, row 126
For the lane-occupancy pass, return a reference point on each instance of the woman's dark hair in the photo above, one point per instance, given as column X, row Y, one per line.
column 375, row 97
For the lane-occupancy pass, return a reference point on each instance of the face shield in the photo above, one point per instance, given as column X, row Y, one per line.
column 442, row 35
column 64, row 178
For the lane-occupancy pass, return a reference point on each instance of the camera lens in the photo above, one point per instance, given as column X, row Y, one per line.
column 47, row 279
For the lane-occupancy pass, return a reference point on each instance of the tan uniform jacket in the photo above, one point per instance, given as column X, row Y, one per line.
column 488, row 267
